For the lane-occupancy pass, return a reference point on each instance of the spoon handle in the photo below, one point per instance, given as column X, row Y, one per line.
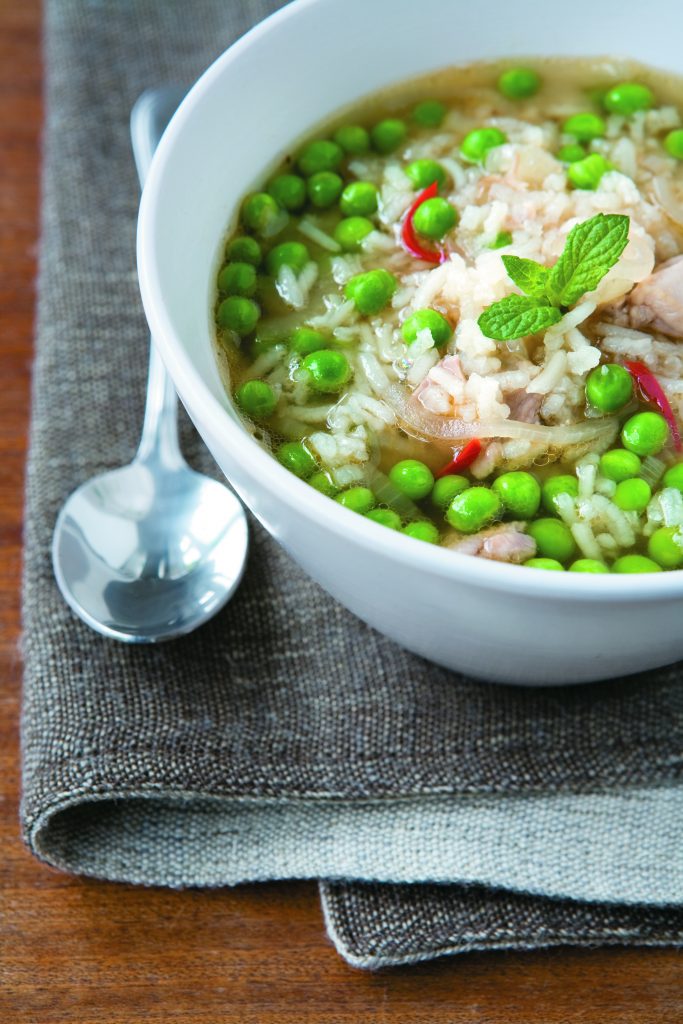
column 159, row 439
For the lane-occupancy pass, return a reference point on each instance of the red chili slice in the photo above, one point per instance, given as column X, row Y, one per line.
column 409, row 237
column 653, row 392
column 462, row 458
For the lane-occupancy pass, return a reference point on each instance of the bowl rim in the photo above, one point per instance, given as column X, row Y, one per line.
column 256, row 461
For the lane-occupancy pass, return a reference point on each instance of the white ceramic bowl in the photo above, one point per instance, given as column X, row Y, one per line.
column 273, row 86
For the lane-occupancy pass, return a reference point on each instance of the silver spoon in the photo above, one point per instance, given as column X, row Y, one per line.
column 150, row 551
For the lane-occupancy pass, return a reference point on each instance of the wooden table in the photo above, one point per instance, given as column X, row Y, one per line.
column 88, row 952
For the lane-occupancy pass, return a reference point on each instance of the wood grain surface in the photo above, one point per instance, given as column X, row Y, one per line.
column 89, row 952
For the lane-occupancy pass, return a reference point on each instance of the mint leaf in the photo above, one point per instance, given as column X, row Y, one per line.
column 591, row 250
column 528, row 275
column 517, row 316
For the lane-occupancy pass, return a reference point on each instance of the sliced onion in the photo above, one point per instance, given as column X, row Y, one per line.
column 446, row 430
column 388, row 494
column 374, row 373
column 664, row 194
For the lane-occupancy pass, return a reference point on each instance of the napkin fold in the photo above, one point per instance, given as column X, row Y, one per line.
column 286, row 739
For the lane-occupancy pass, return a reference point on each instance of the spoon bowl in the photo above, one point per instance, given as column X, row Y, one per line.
column 143, row 557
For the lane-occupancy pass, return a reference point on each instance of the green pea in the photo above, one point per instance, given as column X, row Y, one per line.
column 288, row 191
column 259, row 211
column 359, row 199
column 287, row 254
column 446, row 489
column 632, row 495
column 324, row 189
column 570, row 153
column 556, row 485
column 327, row 371
column 553, row 539
column 473, row 509
column 412, row 478
column 674, row 477
column 385, row 517
column 423, row 530
column 357, row 499
column 673, row 143
column 388, row 135
column 323, row 483
column 424, row 173
column 544, row 563
column 256, row 399
column 587, row 173
column 585, row 127
column 477, row 143
column 305, row 340
column 502, row 240
column 429, row 113
column 646, row 433
column 351, row 231
column 635, row 563
column 665, row 547
column 519, row 492
column 353, row 139
column 244, row 250
column 618, row 465
column 588, row 565
column 430, row 320
column 434, row 218
column 319, row 155
column 371, row 291
column 297, row 459
column 237, row 279
column 609, row 387
column 519, row 83
column 238, row 314
column 627, row 98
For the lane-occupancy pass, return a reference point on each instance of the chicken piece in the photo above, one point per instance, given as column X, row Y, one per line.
column 524, row 407
column 442, row 387
column 490, row 457
column 505, row 542
column 657, row 302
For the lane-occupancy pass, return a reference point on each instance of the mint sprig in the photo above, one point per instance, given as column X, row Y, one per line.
column 591, row 250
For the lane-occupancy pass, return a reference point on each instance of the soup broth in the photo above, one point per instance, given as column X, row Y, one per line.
column 457, row 310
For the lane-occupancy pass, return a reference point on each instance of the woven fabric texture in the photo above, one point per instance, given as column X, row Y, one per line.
column 286, row 738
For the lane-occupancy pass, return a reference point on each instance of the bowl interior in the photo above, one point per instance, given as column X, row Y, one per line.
column 292, row 72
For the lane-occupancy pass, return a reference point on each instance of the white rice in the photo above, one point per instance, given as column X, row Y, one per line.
column 671, row 504
column 264, row 363
column 550, row 376
column 345, row 267
column 586, row 541
column 309, row 413
column 337, row 313
column 288, row 288
column 586, row 473
column 375, row 374
column 309, row 229
column 566, row 508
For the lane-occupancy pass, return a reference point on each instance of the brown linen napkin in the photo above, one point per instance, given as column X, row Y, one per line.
column 286, row 738
column 386, row 925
